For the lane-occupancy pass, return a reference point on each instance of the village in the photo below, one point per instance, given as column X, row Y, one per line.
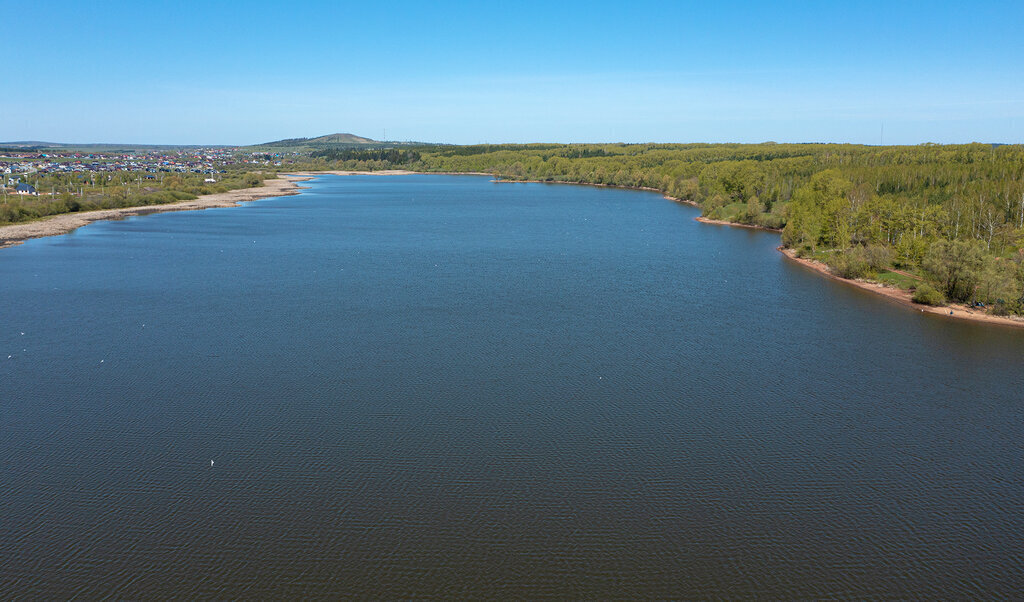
column 23, row 169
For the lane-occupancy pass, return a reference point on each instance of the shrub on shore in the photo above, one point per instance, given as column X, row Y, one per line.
column 878, row 257
column 927, row 295
column 850, row 264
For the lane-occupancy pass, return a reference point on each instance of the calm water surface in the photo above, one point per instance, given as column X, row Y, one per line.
column 443, row 386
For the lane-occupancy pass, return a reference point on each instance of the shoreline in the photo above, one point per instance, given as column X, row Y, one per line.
column 498, row 180
column 283, row 184
column 287, row 184
column 904, row 297
column 722, row 222
column 55, row 225
column 342, row 172
column 387, row 172
column 897, row 295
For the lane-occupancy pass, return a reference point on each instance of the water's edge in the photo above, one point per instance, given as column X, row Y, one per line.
column 287, row 184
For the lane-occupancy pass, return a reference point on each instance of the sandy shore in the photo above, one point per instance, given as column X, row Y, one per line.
column 383, row 172
column 722, row 222
column 15, row 234
column 282, row 185
column 389, row 172
column 647, row 188
column 903, row 297
column 897, row 295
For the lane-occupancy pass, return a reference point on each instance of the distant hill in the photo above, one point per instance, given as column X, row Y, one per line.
column 342, row 139
column 330, row 140
column 30, row 144
column 37, row 145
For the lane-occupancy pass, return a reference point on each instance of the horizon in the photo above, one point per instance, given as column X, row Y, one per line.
column 73, row 145
column 863, row 73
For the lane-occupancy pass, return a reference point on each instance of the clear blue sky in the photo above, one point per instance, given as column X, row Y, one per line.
column 462, row 72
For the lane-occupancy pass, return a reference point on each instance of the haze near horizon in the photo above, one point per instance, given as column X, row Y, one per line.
column 224, row 73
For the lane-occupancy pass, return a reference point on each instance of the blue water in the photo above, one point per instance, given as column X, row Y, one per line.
column 444, row 386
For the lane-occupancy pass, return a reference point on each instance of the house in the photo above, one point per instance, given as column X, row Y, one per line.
column 26, row 189
column 13, row 181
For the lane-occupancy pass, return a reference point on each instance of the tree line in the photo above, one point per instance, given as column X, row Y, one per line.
column 390, row 156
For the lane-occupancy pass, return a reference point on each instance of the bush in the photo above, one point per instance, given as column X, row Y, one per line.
column 1001, row 309
column 771, row 220
column 957, row 265
column 927, row 295
column 851, row 263
column 878, row 257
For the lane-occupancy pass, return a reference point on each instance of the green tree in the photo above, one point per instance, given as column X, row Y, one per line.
column 957, row 265
column 997, row 282
column 820, row 212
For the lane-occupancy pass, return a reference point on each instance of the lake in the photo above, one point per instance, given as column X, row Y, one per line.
column 444, row 386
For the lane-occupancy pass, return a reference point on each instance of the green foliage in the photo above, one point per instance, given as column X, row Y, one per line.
column 860, row 262
column 820, row 213
column 997, row 282
column 896, row 279
column 878, row 257
column 65, row 193
column 391, row 156
column 852, row 264
column 957, row 266
column 927, row 295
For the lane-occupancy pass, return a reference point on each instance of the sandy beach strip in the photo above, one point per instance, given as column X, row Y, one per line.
column 903, row 297
column 63, row 223
column 388, row 172
column 282, row 185
column 499, row 180
column 897, row 295
column 722, row 222
column 342, row 172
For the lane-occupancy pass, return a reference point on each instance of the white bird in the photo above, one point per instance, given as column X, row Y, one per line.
column 211, row 462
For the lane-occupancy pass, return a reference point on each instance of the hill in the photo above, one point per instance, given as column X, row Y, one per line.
column 342, row 139
column 38, row 145
column 320, row 142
